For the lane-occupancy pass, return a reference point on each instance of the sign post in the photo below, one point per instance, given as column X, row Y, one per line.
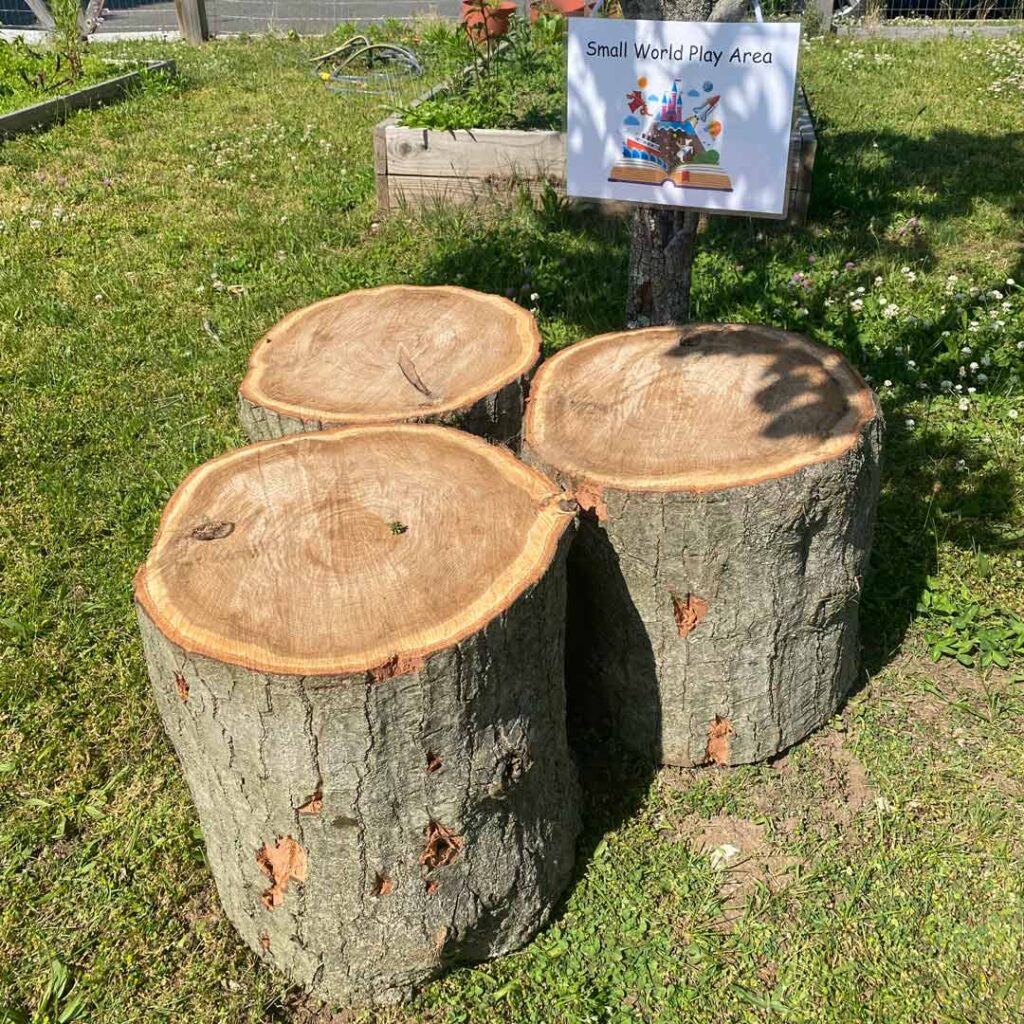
column 691, row 115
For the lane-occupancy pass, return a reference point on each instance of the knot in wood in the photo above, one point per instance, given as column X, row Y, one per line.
column 213, row 530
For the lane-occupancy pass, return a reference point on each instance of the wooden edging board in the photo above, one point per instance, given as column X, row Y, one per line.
column 41, row 115
column 419, row 166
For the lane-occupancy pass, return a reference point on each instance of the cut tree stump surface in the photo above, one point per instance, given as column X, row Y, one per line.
column 727, row 477
column 698, row 408
column 355, row 639
column 400, row 353
column 342, row 552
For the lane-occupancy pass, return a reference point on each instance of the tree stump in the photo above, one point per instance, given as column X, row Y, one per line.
column 727, row 477
column 397, row 354
column 355, row 639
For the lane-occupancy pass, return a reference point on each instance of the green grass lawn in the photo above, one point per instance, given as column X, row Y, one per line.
column 874, row 873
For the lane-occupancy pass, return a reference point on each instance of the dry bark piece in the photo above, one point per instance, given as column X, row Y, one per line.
column 297, row 746
column 396, row 354
column 732, row 474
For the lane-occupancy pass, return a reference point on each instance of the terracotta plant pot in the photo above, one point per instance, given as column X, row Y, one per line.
column 566, row 8
column 486, row 21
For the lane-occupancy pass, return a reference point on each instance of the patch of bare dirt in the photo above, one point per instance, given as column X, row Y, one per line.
column 819, row 785
column 743, row 854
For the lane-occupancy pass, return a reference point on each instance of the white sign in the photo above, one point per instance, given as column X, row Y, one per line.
column 682, row 113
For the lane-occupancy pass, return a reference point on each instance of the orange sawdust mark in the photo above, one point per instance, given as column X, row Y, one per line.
column 281, row 862
column 688, row 612
column 431, row 886
column 382, row 885
column 314, row 805
column 433, row 763
column 590, row 498
column 719, row 732
column 265, row 942
column 396, row 665
column 181, row 685
column 443, row 846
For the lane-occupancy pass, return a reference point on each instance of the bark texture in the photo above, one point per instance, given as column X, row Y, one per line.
column 721, row 627
column 497, row 417
column 367, row 832
column 664, row 241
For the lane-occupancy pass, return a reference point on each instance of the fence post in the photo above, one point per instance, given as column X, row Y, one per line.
column 42, row 13
column 825, row 8
column 192, row 20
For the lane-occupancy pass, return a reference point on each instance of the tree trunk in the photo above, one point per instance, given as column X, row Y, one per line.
column 355, row 642
column 728, row 478
column 664, row 241
column 397, row 354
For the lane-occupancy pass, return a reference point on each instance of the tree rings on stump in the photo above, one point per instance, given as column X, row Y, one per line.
column 395, row 354
column 727, row 477
column 355, row 640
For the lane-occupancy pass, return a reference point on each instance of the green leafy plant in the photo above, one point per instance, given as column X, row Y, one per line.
column 975, row 635
column 59, row 1004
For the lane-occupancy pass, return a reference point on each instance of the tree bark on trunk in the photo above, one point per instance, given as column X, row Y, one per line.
column 369, row 820
column 727, row 478
column 664, row 241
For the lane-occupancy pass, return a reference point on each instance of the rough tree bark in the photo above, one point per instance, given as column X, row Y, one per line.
column 368, row 709
column 402, row 353
column 728, row 478
column 664, row 241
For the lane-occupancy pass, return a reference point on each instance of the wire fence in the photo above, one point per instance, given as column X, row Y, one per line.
column 310, row 17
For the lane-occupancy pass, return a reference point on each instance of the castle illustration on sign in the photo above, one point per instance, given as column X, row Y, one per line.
column 680, row 142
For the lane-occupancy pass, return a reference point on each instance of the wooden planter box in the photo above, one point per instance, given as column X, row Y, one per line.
column 419, row 166
column 42, row 115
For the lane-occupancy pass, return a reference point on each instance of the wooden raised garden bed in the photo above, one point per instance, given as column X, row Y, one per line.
column 48, row 112
column 419, row 166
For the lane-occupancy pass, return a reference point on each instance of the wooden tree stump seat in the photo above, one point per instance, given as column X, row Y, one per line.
column 355, row 641
column 728, row 478
column 395, row 354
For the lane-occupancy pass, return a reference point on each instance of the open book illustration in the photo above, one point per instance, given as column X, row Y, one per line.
column 675, row 138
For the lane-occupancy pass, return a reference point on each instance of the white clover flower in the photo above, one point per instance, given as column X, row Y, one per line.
column 534, row 296
column 952, row 279
column 986, row 361
column 966, row 350
column 35, row 225
column 878, row 280
column 945, row 384
column 972, row 391
column 860, row 290
column 964, row 405
column 973, row 367
column 1012, row 414
column 886, row 383
column 904, row 270
column 1010, row 283
column 857, row 305
column 961, row 465
column 891, row 311
column 982, row 378
column 996, row 294
column 910, row 424
column 998, row 325
column 944, row 334
column 911, row 365
column 959, row 387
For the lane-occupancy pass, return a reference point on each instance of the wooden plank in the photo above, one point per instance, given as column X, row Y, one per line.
column 192, row 20
column 40, row 115
column 42, row 13
column 476, row 154
column 380, row 163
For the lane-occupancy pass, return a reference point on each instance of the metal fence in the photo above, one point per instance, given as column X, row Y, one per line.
column 308, row 17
